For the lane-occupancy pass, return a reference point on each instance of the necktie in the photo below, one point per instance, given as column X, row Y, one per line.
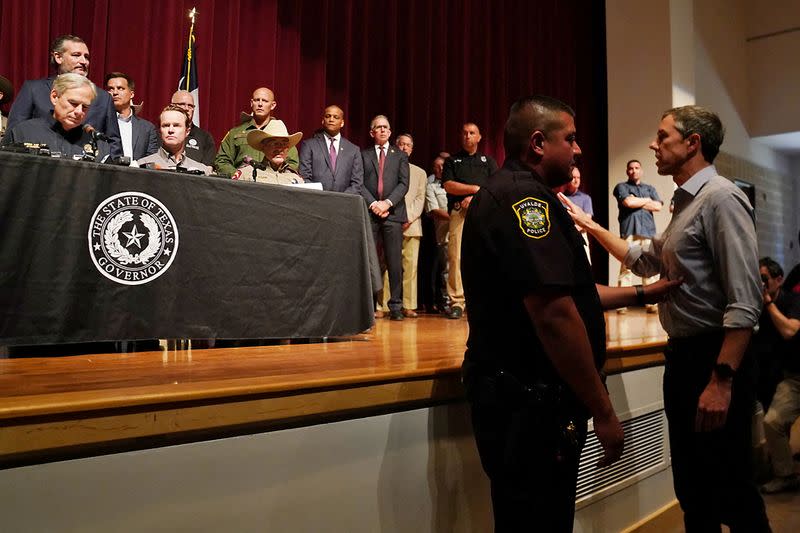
column 333, row 156
column 381, row 161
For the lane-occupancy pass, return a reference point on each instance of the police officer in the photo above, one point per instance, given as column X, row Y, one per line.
column 537, row 334
column 463, row 175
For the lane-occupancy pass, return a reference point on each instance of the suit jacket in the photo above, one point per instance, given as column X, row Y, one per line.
column 145, row 139
column 395, row 181
column 33, row 101
column 415, row 200
column 315, row 165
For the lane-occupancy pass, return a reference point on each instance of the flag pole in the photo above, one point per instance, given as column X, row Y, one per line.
column 192, row 15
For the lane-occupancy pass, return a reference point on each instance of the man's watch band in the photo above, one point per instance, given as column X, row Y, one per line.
column 724, row 371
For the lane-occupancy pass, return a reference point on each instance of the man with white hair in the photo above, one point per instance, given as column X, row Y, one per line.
column 68, row 54
column 62, row 131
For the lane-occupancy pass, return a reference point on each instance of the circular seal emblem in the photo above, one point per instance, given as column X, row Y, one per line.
column 193, row 143
column 133, row 238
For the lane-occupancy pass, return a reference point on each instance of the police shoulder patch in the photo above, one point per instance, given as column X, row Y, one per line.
column 534, row 217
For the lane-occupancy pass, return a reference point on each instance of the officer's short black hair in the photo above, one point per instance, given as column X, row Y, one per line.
column 530, row 114
column 772, row 267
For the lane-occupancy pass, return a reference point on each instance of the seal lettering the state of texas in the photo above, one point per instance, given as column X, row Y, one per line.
column 534, row 217
column 133, row 238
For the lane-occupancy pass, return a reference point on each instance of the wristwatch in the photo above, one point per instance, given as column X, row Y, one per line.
column 724, row 371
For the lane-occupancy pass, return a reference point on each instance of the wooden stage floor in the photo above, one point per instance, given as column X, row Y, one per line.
column 394, row 365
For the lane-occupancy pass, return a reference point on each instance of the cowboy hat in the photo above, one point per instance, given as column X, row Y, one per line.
column 7, row 89
column 275, row 129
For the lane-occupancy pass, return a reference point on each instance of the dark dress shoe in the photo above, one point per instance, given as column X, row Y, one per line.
column 455, row 313
column 395, row 315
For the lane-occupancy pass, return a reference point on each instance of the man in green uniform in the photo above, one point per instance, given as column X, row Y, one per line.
column 234, row 147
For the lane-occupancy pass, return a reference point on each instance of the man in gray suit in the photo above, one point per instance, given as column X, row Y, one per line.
column 139, row 137
column 330, row 159
column 385, row 186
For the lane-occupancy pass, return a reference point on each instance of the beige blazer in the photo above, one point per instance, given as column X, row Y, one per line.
column 415, row 200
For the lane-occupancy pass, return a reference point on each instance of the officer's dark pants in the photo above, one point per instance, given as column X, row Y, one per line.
column 712, row 471
column 532, row 468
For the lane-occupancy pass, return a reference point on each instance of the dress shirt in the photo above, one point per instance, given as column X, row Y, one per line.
column 126, row 132
column 711, row 243
column 378, row 155
column 335, row 140
column 164, row 160
column 582, row 200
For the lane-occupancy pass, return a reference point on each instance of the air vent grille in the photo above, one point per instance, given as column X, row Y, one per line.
column 645, row 453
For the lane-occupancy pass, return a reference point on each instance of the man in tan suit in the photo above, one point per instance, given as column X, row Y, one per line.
column 412, row 230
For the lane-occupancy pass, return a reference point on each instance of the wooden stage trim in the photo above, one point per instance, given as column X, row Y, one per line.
column 48, row 404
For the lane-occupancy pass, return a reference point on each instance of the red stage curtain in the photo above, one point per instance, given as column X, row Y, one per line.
column 428, row 65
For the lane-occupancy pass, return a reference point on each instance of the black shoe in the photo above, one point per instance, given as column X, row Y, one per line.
column 395, row 315
column 455, row 313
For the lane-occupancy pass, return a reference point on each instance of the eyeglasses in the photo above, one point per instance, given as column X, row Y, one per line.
column 190, row 106
column 764, row 278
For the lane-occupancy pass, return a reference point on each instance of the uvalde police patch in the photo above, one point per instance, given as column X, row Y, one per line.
column 534, row 217
column 133, row 238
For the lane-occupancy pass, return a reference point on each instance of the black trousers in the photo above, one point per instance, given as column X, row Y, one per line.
column 439, row 277
column 530, row 461
column 712, row 471
column 388, row 236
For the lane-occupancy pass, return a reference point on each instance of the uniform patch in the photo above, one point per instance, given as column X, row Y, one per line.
column 133, row 238
column 534, row 217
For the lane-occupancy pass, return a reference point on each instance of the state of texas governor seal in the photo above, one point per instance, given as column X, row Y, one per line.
column 133, row 238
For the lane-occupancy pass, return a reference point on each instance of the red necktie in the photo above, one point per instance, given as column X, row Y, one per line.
column 333, row 156
column 381, row 161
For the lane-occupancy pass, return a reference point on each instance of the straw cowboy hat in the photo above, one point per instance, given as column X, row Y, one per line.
column 7, row 89
column 275, row 129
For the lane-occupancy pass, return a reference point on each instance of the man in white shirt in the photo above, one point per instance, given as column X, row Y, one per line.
column 139, row 137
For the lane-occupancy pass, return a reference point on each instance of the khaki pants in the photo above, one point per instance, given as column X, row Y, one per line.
column 410, row 268
column 455, row 290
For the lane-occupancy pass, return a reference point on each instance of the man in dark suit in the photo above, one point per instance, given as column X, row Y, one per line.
column 330, row 159
column 139, row 137
column 199, row 143
column 68, row 53
column 385, row 185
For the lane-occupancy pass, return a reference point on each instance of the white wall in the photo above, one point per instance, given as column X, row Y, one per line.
column 639, row 90
column 662, row 55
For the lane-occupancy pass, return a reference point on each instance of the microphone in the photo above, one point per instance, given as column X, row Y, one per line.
column 96, row 135
column 260, row 165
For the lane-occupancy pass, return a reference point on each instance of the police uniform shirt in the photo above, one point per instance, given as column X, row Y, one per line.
column 472, row 169
column 46, row 130
column 200, row 146
column 518, row 240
